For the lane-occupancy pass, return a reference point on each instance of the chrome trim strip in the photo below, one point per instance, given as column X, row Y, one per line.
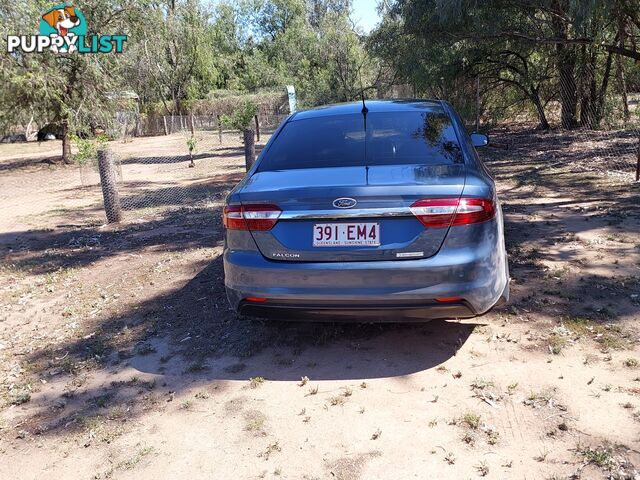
column 353, row 213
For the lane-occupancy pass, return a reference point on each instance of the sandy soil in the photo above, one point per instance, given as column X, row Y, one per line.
column 120, row 359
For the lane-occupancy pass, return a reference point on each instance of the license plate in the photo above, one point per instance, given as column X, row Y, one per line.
column 346, row 234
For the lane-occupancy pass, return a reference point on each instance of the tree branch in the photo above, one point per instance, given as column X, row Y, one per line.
column 625, row 52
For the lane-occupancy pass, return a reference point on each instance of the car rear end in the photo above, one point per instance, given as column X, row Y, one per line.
column 383, row 214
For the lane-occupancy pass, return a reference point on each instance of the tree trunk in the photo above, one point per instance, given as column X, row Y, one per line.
column 622, row 82
column 589, row 91
column 249, row 148
column 257, row 128
column 638, row 163
column 535, row 98
column 622, row 85
column 568, row 98
column 27, row 130
column 565, row 63
column 66, row 142
column 586, row 87
column 603, row 90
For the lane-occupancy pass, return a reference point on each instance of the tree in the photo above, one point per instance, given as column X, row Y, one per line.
column 242, row 119
column 309, row 43
column 67, row 90
column 180, row 51
column 579, row 38
column 172, row 59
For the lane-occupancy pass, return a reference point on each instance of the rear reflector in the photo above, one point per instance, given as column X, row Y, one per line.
column 445, row 212
column 448, row 299
column 256, row 299
column 257, row 217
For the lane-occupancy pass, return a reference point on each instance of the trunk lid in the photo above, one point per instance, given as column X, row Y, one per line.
column 383, row 194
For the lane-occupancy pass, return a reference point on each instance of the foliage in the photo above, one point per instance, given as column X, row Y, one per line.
column 87, row 148
column 64, row 89
column 527, row 54
column 192, row 143
column 242, row 117
column 218, row 103
column 169, row 55
column 532, row 57
column 180, row 53
column 247, row 46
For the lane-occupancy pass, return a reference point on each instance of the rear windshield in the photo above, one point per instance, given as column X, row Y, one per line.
column 391, row 138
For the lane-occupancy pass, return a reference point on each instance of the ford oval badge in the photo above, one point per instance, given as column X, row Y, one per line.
column 344, row 202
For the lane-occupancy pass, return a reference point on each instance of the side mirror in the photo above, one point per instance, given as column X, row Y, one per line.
column 479, row 140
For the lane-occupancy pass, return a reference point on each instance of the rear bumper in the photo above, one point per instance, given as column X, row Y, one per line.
column 401, row 289
column 354, row 312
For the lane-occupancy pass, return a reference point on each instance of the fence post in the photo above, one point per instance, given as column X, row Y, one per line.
column 108, row 180
column 164, row 119
column 478, row 103
column 638, row 163
column 257, row 129
column 249, row 148
column 219, row 129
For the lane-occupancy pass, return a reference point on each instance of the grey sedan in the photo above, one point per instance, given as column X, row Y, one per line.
column 376, row 210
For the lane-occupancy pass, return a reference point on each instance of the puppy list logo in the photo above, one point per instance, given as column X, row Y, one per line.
column 63, row 29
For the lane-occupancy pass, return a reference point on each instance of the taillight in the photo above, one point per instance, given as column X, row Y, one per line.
column 258, row 216
column 445, row 212
column 232, row 218
column 474, row 210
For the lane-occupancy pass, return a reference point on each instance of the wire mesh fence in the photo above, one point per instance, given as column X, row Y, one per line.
column 610, row 147
column 156, row 177
column 196, row 162
column 593, row 120
column 156, row 125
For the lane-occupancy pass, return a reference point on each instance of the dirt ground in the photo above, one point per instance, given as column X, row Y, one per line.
column 119, row 357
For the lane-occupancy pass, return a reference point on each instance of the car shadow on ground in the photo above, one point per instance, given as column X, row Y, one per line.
column 286, row 351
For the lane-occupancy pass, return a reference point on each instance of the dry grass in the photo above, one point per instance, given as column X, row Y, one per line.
column 255, row 382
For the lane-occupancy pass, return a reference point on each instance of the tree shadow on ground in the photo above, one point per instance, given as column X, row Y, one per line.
column 188, row 339
column 589, row 152
column 555, row 217
column 214, row 188
column 43, row 251
column 11, row 163
column 192, row 221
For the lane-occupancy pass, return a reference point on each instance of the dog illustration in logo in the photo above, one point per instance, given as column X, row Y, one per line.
column 62, row 19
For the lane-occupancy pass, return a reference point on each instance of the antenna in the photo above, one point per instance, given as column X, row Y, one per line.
column 364, row 110
column 364, row 105
column 364, row 117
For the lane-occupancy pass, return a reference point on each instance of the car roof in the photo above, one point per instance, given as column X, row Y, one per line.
column 373, row 106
